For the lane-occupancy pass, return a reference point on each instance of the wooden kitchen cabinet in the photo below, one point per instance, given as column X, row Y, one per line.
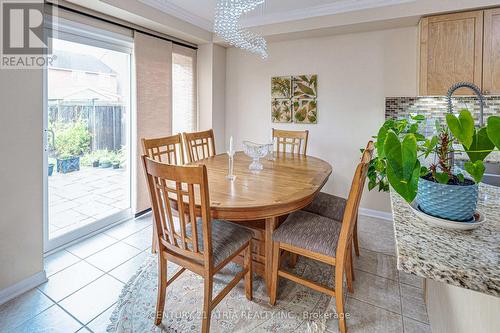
column 451, row 50
column 491, row 57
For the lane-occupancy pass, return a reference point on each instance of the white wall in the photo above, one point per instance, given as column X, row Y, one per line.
column 355, row 74
column 21, row 172
column 211, row 69
column 204, row 59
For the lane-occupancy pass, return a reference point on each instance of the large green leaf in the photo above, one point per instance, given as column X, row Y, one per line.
column 429, row 145
column 481, row 146
column 442, row 177
column 476, row 170
column 493, row 130
column 418, row 117
column 403, row 168
column 382, row 134
column 462, row 127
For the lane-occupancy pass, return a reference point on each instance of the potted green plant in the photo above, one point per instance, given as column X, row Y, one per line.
column 71, row 141
column 115, row 160
column 51, row 165
column 93, row 158
column 437, row 187
column 96, row 156
column 105, row 162
column 119, row 159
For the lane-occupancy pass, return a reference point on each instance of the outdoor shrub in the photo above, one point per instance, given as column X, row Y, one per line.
column 95, row 155
column 103, row 155
column 71, row 139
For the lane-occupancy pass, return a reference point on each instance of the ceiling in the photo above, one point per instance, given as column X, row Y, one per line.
column 201, row 12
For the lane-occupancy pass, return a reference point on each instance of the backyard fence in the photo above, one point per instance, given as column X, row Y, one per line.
column 104, row 121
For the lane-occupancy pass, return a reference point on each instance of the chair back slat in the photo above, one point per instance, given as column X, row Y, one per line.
column 183, row 187
column 353, row 202
column 192, row 214
column 164, row 215
column 199, row 145
column 182, row 216
column 167, row 149
column 294, row 142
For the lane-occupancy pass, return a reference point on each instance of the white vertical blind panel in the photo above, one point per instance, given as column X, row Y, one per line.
column 184, row 104
column 153, row 63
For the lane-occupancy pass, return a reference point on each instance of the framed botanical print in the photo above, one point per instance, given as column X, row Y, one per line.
column 281, row 110
column 294, row 99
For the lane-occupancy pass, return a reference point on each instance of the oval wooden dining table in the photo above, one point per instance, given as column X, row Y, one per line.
column 260, row 201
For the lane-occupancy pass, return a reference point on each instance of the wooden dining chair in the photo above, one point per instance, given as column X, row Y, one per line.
column 199, row 145
column 322, row 239
column 168, row 149
column 200, row 245
column 294, row 142
column 333, row 207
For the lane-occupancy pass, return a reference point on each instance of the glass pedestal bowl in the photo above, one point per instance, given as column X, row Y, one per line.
column 255, row 151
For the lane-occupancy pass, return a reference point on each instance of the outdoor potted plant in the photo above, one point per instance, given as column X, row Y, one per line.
column 105, row 162
column 118, row 158
column 51, row 165
column 72, row 140
column 115, row 160
column 51, row 161
column 68, row 163
column 93, row 158
column 439, row 189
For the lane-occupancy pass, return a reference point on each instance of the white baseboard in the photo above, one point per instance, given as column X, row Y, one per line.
column 376, row 213
column 23, row 286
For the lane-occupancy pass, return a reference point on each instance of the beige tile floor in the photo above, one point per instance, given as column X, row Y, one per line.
column 85, row 281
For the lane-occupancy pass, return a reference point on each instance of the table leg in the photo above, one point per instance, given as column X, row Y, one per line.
column 271, row 224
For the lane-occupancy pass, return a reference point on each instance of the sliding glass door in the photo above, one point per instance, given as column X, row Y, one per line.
column 87, row 119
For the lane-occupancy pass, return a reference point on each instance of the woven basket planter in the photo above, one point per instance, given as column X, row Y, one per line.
column 451, row 202
column 68, row 164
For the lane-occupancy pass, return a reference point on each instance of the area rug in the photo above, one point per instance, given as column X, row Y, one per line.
column 298, row 309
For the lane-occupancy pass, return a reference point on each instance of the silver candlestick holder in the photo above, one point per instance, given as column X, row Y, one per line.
column 270, row 152
column 230, row 175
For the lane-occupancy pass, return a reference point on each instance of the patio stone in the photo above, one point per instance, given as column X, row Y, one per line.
column 108, row 212
column 82, row 197
column 62, row 205
column 66, row 218
column 92, row 208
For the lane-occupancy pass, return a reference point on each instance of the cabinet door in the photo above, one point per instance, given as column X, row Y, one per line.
column 451, row 50
column 491, row 63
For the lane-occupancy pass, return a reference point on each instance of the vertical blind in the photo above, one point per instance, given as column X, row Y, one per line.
column 153, row 67
column 184, row 104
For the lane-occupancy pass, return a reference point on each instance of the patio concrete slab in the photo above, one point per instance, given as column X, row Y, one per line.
column 85, row 196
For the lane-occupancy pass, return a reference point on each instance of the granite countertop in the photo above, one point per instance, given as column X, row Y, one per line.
column 467, row 259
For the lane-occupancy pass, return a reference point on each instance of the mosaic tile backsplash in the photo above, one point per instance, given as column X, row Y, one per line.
column 435, row 108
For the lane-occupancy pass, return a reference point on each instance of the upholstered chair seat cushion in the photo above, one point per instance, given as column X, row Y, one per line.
column 327, row 205
column 309, row 231
column 227, row 238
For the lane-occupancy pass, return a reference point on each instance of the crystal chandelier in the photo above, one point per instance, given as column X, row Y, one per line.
column 227, row 14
